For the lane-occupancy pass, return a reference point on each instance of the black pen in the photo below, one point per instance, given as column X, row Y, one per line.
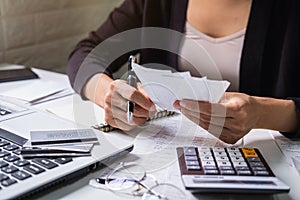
column 132, row 81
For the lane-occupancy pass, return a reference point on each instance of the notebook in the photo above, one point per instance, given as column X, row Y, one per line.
column 21, row 177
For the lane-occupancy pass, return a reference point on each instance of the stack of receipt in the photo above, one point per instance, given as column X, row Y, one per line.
column 60, row 143
column 164, row 87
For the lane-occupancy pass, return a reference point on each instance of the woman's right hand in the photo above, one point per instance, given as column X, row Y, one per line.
column 113, row 95
column 115, row 106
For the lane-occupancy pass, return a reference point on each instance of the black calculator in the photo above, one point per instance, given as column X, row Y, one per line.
column 219, row 169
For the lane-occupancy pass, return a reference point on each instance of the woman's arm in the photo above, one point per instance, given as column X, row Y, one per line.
column 125, row 17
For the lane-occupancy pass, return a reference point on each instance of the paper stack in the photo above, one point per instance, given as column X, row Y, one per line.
column 164, row 87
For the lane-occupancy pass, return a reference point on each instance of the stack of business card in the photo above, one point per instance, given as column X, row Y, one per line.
column 60, row 143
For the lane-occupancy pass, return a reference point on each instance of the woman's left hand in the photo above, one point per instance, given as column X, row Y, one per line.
column 229, row 120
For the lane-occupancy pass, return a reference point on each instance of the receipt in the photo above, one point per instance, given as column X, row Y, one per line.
column 164, row 87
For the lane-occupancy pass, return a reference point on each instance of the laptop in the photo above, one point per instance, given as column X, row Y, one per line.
column 21, row 177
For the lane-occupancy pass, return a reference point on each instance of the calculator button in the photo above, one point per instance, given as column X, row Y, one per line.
column 206, row 158
column 4, row 153
column 195, row 163
column 244, row 173
column 3, row 177
column 211, row 172
column 218, row 149
column 237, row 159
column 189, row 151
column 192, row 167
column 249, row 152
column 233, row 149
column 253, row 159
column 11, row 147
column 208, row 163
column 220, row 153
column 226, row 168
column 261, row 173
column 210, row 168
column 190, row 158
column 3, row 164
column 234, row 154
column 11, row 158
column 259, row 169
column 227, row 172
column 224, row 164
column 204, row 153
column 239, row 164
column 222, row 158
column 256, row 164
column 240, row 168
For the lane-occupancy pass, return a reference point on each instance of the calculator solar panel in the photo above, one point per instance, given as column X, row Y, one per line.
column 218, row 169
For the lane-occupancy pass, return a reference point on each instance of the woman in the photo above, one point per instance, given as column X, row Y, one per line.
column 263, row 54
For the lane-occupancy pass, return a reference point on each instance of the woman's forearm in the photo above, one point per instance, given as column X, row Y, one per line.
column 97, row 87
column 276, row 114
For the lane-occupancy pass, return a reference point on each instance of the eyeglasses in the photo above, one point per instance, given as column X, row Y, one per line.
column 131, row 178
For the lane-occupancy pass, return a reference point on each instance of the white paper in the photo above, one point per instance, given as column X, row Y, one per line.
column 164, row 87
column 291, row 150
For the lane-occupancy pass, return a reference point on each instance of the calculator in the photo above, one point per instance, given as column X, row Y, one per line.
column 219, row 169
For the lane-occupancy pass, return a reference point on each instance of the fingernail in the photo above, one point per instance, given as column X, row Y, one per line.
column 152, row 111
column 176, row 105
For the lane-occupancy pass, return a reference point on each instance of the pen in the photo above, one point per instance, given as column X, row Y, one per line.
column 131, row 80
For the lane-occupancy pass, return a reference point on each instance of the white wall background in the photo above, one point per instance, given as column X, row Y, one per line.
column 42, row 33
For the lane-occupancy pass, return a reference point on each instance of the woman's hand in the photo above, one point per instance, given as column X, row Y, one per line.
column 113, row 95
column 115, row 105
column 229, row 120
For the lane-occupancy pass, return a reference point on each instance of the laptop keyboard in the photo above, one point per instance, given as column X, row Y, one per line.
column 14, row 168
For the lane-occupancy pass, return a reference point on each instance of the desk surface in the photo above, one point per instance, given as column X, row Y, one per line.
column 169, row 171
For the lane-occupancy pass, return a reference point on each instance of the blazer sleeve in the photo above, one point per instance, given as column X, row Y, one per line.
column 127, row 16
column 297, row 105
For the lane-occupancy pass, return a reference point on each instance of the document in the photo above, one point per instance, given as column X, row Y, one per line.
column 291, row 150
column 164, row 87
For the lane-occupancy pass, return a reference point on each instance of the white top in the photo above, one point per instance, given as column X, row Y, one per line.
column 216, row 58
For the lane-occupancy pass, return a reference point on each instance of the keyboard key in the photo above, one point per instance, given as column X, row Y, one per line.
column 8, row 182
column 21, row 175
column 3, row 177
column 17, row 151
column 9, row 169
column 21, row 163
column 3, row 143
column 3, row 154
column 63, row 160
column 10, row 147
column 45, row 163
column 3, row 164
column 11, row 158
column 34, row 169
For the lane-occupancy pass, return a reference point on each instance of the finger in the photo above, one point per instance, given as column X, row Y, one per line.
column 204, row 107
column 116, row 113
column 116, row 123
column 132, row 94
column 221, row 132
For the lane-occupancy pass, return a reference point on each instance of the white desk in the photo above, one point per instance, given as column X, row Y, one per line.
column 262, row 139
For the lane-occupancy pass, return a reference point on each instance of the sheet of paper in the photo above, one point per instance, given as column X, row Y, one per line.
column 164, row 87
column 48, row 86
column 291, row 150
